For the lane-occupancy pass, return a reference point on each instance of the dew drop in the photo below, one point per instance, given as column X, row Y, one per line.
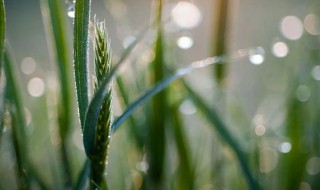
column 256, row 56
column 71, row 11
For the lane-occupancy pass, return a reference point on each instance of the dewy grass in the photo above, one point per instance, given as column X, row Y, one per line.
column 103, row 130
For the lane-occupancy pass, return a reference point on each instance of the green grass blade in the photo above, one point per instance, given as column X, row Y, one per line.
column 83, row 176
column 95, row 104
column 156, row 138
column 221, row 128
column 18, row 121
column 81, row 29
column 186, row 178
column 163, row 84
column 57, row 35
column 2, row 36
column 2, row 32
column 220, row 34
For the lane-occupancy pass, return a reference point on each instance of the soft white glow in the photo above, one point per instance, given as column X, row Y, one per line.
column 316, row 72
column 36, row 87
column 128, row 41
column 285, row 147
column 256, row 56
column 312, row 24
column 313, row 166
column 28, row 65
column 186, row 15
column 71, row 12
column 28, row 116
column 260, row 130
column 280, row 49
column 268, row 160
column 187, row 108
column 291, row 27
column 185, row 42
column 305, row 186
column 303, row 93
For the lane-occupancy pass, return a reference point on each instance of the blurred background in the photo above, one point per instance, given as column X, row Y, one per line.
column 268, row 100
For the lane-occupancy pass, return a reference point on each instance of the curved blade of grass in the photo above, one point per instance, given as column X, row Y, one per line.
column 163, row 84
column 221, row 128
column 2, row 32
column 83, row 176
column 81, row 27
column 57, row 35
column 2, row 36
column 92, row 113
column 18, row 121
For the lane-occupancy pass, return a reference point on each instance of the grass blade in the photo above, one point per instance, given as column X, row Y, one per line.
column 18, row 121
column 2, row 36
column 83, row 176
column 2, row 32
column 163, row 84
column 56, row 34
column 81, row 27
column 221, row 128
column 221, row 21
column 156, row 138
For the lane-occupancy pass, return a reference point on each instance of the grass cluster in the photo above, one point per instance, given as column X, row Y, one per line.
column 158, row 146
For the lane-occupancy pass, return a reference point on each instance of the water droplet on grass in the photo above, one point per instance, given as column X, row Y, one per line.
column 256, row 56
column 185, row 42
column 71, row 11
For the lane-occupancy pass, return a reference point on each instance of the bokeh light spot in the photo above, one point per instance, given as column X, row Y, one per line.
column 36, row 87
column 312, row 24
column 260, row 130
column 303, row 93
column 185, row 42
column 186, row 15
column 316, row 72
column 28, row 65
column 285, row 147
column 291, row 27
column 280, row 49
column 313, row 166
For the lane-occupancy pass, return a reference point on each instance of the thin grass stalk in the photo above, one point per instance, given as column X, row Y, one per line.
column 156, row 137
column 56, row 34
column 2, row 37
column 81, row 29
column 186, row 177
column 18, row 122
column 103, row 130
column 220, row 38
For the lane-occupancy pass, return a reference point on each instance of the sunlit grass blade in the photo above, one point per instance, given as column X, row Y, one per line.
column 81, row 29
column 162, row 85
column 18, row 121
column 156, row 131
column 220, row 37
column 222, row 130
column 95, row 104
column 54, row 20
